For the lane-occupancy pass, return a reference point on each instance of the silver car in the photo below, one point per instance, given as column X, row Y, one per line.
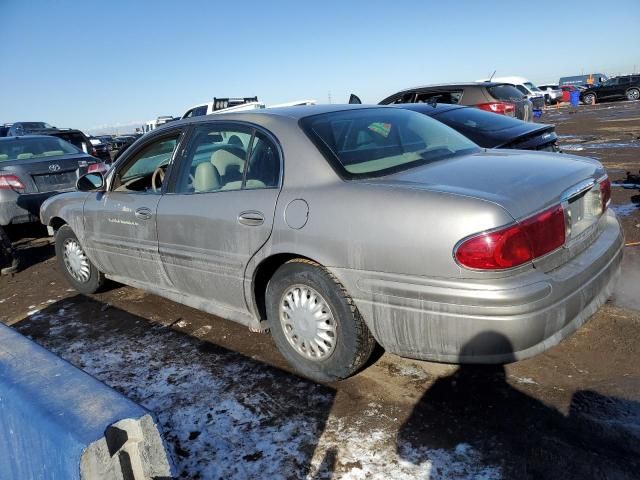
column 337, row 227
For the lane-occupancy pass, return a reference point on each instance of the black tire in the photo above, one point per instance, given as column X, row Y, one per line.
column 95, row 279
column 353, row 340
column 633, row 94
column 589, row 99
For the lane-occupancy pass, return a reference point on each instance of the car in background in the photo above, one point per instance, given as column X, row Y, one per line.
column 527, row 88
column 35, row 167
column 552, row 93
column 336, row 226
column 4, row 129
column 495, row 97
column 488, row 130
column 25, row 128
column 588, row 80
column 101, row 149
column 625, row 87
column 227, row 104
column 73, row 136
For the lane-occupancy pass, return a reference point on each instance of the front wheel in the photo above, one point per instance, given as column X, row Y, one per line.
column 76, row 266
column 633, row 94
column 315, row 324
column 589, row 99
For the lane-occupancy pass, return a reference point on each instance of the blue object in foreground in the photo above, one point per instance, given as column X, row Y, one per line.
column 574, row 98
column 537, row 113
column 57, row 422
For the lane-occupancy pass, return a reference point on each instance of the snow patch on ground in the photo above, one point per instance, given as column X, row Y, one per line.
column 227, row 416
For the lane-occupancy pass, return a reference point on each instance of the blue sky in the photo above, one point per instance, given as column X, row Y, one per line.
column 87, row 63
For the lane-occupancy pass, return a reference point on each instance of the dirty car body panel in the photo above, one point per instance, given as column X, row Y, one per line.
column 390, row 238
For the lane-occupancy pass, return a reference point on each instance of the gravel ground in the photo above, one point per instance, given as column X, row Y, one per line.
column 231, row 408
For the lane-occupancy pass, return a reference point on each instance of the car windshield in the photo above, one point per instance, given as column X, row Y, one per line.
column 379, row 141
column 473, row 118
column 531, row 87
column 34, row 147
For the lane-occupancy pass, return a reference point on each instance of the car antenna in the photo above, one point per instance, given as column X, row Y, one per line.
column 494, row 72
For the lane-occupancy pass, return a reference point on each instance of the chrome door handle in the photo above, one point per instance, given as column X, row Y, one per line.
column 251, row 218
column 143, row 213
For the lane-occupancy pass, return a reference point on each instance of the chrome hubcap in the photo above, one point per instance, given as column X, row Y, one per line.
column 634, row 94
column 308, row 323
column 76, row 261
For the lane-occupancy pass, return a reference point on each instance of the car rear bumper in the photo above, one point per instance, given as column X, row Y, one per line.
column 495, row 321
column 21, row 208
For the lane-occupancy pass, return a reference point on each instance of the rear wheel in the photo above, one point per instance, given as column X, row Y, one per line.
column 633, row 94
column 315, row 323
column 76, row 266
column 589, row 99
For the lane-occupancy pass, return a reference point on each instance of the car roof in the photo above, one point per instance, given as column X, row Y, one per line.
column 449, row 85
column 18, row 137
column 292, row 113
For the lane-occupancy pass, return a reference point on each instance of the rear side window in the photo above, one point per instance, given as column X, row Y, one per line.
column 504, row 92
column 624, row 80
column 380, row 141
column 475, row 119
column 404, row 98
column 451, row 97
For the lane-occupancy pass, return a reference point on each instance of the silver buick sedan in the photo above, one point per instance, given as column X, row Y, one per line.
column 336, row 227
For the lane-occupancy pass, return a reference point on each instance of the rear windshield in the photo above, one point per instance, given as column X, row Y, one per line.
column 76, row 139
column 472, row 118
column 36, row 147
column 505, row 92
column 379, row 141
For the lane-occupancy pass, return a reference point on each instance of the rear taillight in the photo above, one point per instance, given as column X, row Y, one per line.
column 516, row 244
column 503, row 108
column 10, row 182
column 97, row 167
column 605, row 193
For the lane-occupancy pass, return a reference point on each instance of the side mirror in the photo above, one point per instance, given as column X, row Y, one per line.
column 90, row 182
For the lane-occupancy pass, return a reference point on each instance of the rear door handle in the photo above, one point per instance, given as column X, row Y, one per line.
column 143, row 213
column 251, row 218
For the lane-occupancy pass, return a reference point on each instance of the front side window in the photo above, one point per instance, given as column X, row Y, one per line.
column 379, row 141
column 147, row 169
column 624, row 80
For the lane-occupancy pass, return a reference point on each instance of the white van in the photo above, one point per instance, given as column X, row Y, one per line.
column 227, row 105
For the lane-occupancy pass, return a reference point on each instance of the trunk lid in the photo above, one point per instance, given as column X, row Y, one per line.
column 521, row 182
column 55, row 173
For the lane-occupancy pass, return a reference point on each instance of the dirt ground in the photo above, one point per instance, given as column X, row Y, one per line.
column 231, row 408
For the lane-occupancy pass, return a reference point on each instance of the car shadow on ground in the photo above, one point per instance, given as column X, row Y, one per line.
column 599, row 438
column 224, row 415
column 31, row 243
